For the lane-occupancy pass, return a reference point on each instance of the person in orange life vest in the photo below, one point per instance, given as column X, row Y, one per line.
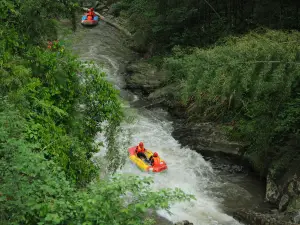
column 90, row 14
column 140, row 151
column 155, row 160
column 49, row 45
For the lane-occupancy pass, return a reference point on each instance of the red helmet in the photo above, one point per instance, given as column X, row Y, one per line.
column 155, row 154
column 92, row 9
column 141, row 144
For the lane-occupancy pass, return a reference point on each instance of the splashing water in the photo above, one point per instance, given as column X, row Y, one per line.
column 187, row 169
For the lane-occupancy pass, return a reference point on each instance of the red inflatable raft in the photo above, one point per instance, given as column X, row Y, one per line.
column 86, row 22
column 142, row 164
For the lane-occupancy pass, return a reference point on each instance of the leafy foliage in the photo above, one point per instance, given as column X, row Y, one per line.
column 51, row 108
column 197, row 23
column 251, row 82
column 64, row 110
column 50, row 96
column 35, row 191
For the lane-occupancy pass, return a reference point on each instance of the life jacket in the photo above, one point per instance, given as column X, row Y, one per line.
column 91, row 13
column 139, row 149
column 49, row 44
column 89, row 17
column 156, row 161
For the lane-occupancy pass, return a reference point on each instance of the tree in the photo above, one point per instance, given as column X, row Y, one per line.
column 201, row 23
column 250, row 83
column 35, row 190
column 51, row 107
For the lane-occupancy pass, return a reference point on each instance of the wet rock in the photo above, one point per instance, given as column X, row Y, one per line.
column 272, row 193
column 294, row 205
column 254, row 218
column 283, row 189
column 292, row 216
column 298, row 187
column 291, row 189
column 161, row 220
column 296, row 219
column 274, row 211
column 283, row 202
column 184, row 222
column 139, row 42
column 163, row 92
column 145, row 77
column 161, row 96
column 284, row 193
column 205, row 137
column 139, row 67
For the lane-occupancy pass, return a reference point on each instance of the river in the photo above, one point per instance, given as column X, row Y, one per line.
column 218, row 191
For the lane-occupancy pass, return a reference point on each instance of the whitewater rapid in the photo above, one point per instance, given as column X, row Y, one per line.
column 187, row 169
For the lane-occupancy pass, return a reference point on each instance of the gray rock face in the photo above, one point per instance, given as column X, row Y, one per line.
column 145, row 77
column 209, row 138
column 272, row 193
column 206, row 137
column 283, row 202
column 297, row 218
column 298, row 186
column 253, row 218
column 285, row 193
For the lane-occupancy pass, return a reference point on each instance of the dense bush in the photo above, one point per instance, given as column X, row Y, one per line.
column 63, row 112
column 194, row 22
column 51, row 108
column 250, row 81
column 35, row 190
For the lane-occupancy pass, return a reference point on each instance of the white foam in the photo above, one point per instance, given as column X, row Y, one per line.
column 187, row 170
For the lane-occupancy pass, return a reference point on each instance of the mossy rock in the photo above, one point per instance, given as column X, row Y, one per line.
column 144, row 76
column 294, row 205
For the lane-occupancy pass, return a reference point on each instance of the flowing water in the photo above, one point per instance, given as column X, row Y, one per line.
column 217, row 190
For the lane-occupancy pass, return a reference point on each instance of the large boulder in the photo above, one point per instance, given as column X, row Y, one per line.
column 272, row 192
column 162, row 97
column 284, row 201
column 283, row 189
column 144, row 76
column 206, row 138
column 254, row 218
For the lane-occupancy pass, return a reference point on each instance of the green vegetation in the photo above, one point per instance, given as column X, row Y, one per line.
column 193, row 22
column 61, row 111
column 51, row 108
column 35, row 190
column 251, row 82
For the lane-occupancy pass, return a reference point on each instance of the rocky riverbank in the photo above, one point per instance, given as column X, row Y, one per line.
column 206, row 138
column 255, row 218
column 209, row 139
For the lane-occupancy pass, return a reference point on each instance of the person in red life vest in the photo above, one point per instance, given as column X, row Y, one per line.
column 49, row 45
column 140, row 151
column 90, row 14
column 155, row 160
